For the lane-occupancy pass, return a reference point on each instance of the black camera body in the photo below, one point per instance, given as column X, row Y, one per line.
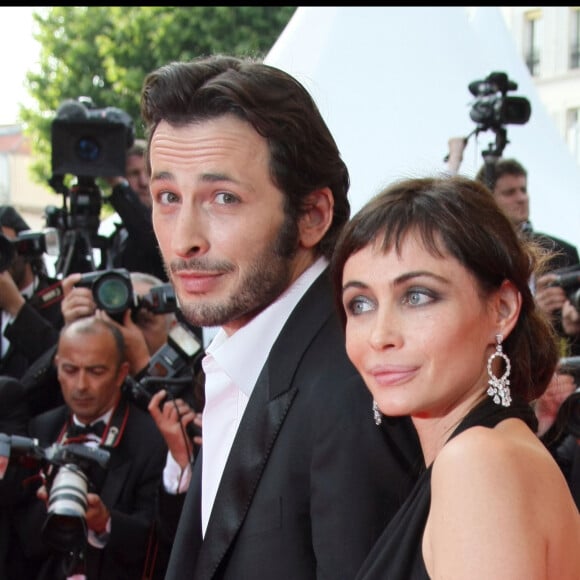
column 181, row 352
column 65, row 527
column 492, row 108
column 569, row 281
column 91, row 142
column 28, row 244
column 113, row 292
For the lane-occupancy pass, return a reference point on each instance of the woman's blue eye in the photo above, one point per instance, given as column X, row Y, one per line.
column 359, row 305
column 417, row 297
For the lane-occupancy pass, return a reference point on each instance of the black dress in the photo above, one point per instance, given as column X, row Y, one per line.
column 397, row 554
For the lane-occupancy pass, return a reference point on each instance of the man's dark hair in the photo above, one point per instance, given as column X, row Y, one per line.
column 303, row 154
column 499, row 168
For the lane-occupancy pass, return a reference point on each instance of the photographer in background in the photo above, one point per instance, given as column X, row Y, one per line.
column 92, row 367
column 133, row 243
column 143, row 337
column 508, row 181
column 29, row 304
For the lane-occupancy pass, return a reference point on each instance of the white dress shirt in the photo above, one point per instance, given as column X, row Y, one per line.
column 232, row 366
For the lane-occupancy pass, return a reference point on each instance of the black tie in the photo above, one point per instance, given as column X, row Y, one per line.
column 75, row 430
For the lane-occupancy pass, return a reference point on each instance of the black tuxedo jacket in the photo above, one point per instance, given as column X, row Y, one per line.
column 311, row 480
column 128, row 488
column 34, row 330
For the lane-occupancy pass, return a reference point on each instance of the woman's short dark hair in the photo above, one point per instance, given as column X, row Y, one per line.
column 303, row 154
column 459, row 216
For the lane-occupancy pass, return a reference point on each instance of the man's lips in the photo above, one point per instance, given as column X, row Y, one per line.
column 196, row 282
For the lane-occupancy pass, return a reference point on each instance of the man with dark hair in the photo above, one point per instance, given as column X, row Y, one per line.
column 508, row 181
column 294, row 478
column 29, row 304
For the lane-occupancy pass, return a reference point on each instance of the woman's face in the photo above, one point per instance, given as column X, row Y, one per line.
column 417, row 329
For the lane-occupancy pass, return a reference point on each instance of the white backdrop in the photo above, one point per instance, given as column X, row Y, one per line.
column 392, row 84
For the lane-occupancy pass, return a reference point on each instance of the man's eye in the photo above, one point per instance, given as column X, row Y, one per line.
column 226, row 198
column 167, row 198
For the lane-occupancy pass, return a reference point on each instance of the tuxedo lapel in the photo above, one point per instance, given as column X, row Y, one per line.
column 264, row 415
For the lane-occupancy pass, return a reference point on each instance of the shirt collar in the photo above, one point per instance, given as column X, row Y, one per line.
column 243, row 354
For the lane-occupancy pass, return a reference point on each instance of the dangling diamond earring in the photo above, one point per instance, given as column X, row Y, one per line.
column 499, row 388
column 377, row 414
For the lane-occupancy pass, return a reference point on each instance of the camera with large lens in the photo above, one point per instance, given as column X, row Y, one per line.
column 29, row 245
column 492, row 107
column 66, row 469
column 113, row 292
column 569, row 281
column 87, row 141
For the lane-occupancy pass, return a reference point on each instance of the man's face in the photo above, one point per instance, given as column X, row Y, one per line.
column 89, row 372
column 138, row 179
column 511, row 194
column 227, row 244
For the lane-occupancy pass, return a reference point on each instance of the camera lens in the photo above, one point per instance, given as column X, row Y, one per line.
column 65, row 526
column 88, row 149
column 112, row 293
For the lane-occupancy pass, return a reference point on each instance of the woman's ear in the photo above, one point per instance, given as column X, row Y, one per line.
column 508, row 306
column 315, row 221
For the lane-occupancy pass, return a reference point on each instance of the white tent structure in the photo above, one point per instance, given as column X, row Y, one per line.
column 392, row 84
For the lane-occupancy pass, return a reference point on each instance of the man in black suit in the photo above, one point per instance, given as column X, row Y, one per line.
column 294, row 479
column 508, row 181
column 30, row 316
column 121, row 497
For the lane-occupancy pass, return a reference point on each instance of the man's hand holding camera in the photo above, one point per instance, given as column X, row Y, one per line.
column 550, row 298
column 97, row 515
column 172, row 418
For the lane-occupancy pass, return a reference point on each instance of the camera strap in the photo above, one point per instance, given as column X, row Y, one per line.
column 116, row 426
column 47, row 296
column 113, row 431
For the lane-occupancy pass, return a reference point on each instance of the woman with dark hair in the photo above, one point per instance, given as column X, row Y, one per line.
column 432, row 281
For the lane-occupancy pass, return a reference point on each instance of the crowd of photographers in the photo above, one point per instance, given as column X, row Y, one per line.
column 130, row 346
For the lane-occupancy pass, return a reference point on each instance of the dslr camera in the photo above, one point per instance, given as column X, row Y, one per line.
column 492, row 108
column 570, row 282
column 65, row 468
column 166, row 368
column 29, row 245
column 90, row 142
column 113, row 292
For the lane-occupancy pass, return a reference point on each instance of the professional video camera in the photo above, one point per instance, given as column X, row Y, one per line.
column 569, row 281
column 89, row 141
column 113, row 293
column 65, row 527
column 29, row 245
column 492, row 108
column 86, row 142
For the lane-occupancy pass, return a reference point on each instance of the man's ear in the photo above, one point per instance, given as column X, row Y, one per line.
column 508, row 306
column 317, row 217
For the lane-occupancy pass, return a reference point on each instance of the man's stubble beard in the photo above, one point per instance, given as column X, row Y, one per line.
column 268, row 276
